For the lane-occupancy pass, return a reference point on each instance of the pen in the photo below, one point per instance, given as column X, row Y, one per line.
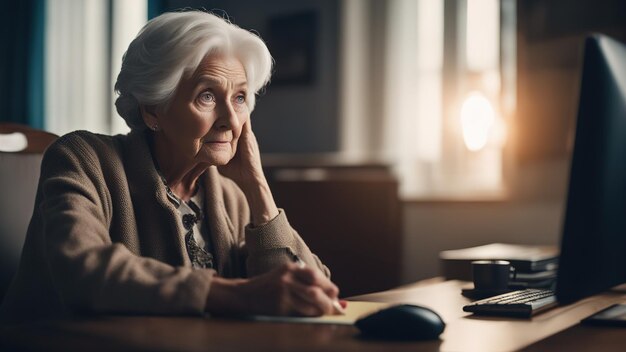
column 336, row 305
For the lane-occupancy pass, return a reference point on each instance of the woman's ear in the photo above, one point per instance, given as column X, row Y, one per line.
column 149, row 116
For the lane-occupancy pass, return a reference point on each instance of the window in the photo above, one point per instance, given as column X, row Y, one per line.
column 85, row 41
column 477, row 101
column 447, row 92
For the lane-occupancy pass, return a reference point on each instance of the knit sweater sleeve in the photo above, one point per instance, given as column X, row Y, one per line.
column 276, row 242
column 88, row 270
column 269, row 245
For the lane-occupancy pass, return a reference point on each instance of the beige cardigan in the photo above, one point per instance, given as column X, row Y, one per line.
column 105, row 238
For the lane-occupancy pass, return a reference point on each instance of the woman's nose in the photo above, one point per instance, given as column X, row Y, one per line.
column 227, row 117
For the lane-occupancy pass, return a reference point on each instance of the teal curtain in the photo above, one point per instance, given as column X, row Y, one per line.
column 22, row 62
column 156, row 7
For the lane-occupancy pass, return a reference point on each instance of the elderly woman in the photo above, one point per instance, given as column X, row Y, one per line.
column 144, row 222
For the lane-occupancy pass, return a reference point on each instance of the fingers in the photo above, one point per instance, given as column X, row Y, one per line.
column 311, row 276
column 310, row 300
column 246, row 130
column 290, row 290
column 248, row 147
column 313, row 294
column 248, row 125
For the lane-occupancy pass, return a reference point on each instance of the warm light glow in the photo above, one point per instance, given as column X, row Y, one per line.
column 477, row 118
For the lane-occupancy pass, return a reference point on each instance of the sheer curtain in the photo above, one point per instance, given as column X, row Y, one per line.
column 391, row 87
column 126, row 20
column 408, row 69
column 85, row 40
column 413, row 94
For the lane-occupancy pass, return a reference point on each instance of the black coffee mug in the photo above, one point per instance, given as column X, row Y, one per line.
column 492, row 274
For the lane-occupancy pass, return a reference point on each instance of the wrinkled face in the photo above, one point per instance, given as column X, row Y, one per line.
column 205, row 117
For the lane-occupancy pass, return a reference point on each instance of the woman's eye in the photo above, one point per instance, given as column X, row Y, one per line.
column 240, row 99
column 207, row 97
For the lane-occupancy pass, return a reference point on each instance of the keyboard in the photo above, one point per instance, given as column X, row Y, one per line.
column 521, row 304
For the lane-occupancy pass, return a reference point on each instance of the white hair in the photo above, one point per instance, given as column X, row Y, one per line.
column 173, row 45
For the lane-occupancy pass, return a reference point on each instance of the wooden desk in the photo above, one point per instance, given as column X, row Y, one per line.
column 548, row 331
column 465, row 332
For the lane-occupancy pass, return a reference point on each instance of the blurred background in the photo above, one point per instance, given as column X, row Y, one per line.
column 391, row 130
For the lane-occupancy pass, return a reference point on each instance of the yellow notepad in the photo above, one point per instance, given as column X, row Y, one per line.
column 354, row 311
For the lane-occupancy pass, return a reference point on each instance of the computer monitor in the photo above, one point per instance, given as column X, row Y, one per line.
column 593, row 245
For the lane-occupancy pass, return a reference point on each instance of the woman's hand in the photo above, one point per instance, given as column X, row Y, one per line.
column 286, row 290
column 245, row 167
column 246, row 170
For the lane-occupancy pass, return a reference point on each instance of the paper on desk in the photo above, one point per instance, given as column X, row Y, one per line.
column 354, row 311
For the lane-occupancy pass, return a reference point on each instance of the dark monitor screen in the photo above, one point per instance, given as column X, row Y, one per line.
column 593, row 245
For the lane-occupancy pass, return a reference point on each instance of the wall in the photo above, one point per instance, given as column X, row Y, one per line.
column 533, row 214
column 431, row 227
column 549, row 46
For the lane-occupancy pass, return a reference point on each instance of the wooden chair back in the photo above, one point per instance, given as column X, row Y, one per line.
column 21, row 151
column 16, row 138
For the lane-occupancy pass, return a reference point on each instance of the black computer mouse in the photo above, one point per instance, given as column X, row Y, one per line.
column 402, row 322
